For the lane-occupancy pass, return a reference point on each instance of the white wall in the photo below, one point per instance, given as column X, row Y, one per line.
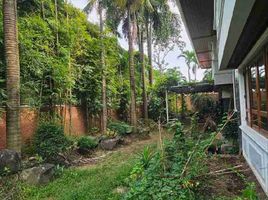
column 232, row 16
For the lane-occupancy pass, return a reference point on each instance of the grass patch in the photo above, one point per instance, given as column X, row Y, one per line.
column 96, row 182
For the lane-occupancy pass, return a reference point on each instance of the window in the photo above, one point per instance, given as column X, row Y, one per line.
column 257, row 94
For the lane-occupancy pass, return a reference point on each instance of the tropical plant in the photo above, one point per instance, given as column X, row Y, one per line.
column 171, row 77
column 86, row 143
column 12, row 75
column 208, row 76
column 128, row 9
column 120, row 127
column 164, row 174
column 190, row 59
column 100, row 7
column 50, row 141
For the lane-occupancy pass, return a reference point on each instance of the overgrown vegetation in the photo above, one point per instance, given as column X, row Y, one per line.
column 120, row 127
column 178, row 169
column 86, row 144
column 50, row 141
column 172, row 172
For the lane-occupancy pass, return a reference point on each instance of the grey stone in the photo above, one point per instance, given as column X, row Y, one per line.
column 40, row 175
column 109, row 144
column 10, row 161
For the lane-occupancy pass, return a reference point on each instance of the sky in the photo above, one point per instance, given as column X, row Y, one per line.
column 172, row 58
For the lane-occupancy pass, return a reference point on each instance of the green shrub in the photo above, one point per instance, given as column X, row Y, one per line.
column 161, row 175
column 120, row 127
column 86, row 143
column 50, row 140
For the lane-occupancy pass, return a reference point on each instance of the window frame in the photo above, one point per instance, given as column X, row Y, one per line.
column 250, row 112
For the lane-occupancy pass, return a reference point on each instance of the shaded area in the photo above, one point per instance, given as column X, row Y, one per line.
column 196, row 88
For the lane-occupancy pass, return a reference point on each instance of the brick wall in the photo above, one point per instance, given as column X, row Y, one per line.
column 74, row 119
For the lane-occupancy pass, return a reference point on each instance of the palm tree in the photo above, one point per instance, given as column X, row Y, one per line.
column 143, row 77
column 190, row 58
column 13, row 75
column 151, row 17
column 142, row 15
column 128, row 8
column 88, row 8
column 194, row 67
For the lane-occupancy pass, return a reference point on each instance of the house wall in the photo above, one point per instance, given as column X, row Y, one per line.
column 230, row 19
column 254, row 144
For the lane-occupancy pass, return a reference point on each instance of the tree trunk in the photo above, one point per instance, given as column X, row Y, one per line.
column 144, row 93
column 149, row 48
column 133, row 116
column 104, row 99
column 13, row 75
column 189, row 73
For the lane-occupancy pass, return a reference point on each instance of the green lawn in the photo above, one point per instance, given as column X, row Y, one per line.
column 96, row 183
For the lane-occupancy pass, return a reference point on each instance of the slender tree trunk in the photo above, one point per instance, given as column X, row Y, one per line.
column 189, row 73
column 57, row 23
column 149, row 48
column 104, row 99
column 133, row 116
column 13, row 75
column 144, row 93
column 43, row 9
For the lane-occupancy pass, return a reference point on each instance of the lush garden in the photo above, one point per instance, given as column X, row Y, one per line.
column 55, row 57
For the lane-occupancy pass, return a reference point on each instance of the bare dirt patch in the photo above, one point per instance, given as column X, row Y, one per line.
column 132, row 144
column 228, row 183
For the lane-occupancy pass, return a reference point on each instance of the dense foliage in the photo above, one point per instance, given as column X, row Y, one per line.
column 86, row 144
column 50, row 141
column 162, row 175
column 120, row 127
column 157, row 107
column 60, row 59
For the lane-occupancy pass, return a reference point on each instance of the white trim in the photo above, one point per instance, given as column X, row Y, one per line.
column 236, row 13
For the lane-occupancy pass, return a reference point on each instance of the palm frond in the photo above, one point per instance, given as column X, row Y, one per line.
column 90, row 5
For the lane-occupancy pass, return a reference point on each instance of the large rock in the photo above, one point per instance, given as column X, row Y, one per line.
column 10, row 161
column 109, row 144
column 40, row 175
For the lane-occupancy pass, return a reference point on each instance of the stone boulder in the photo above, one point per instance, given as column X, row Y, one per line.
column 40, row 175
column 109, row 144
column 10, row 161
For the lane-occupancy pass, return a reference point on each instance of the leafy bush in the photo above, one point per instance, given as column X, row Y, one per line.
column 169, row 173
column 86, row 143
column 120, row 127
column 49, row 141
column 204, row 104
column 110, row 133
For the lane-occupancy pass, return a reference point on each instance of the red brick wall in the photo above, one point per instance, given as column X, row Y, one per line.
column 74, row 126
column 74, row 119
column 2, row 130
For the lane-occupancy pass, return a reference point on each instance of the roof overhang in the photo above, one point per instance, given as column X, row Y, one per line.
column 196, row 88
column 198, row 18
column 255, row 26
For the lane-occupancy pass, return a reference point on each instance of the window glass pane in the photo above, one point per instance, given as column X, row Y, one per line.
column 264, row 123
column 254, row 119
column 262, row 76
column 254, row 100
